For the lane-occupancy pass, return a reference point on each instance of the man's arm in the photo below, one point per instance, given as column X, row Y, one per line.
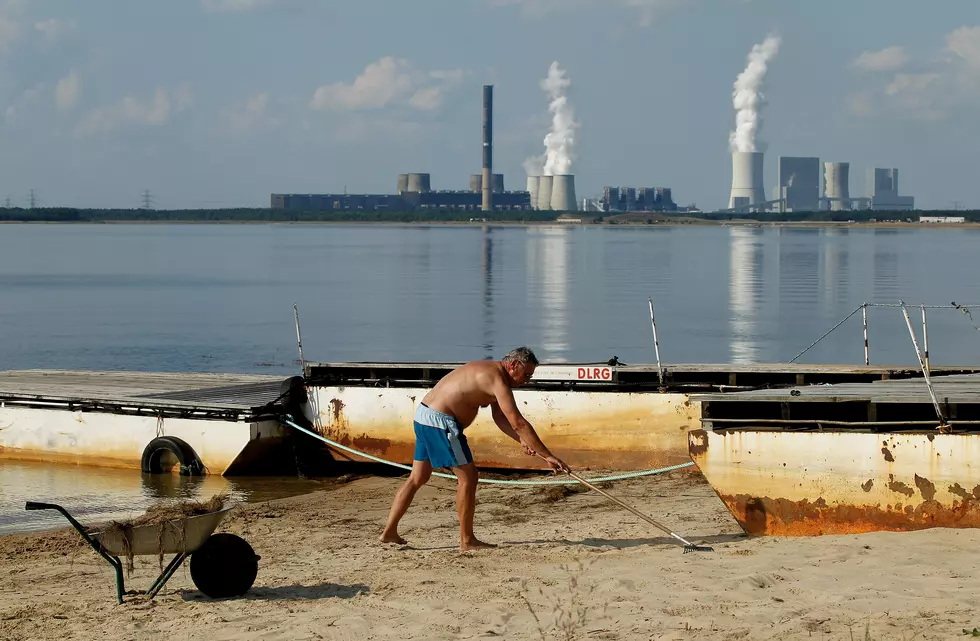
column 526, row 433
column 502, row 422
column 504, row 425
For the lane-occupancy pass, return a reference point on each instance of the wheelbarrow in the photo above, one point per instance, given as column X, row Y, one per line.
column 222, row 565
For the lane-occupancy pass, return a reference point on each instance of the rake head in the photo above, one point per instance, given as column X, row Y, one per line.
column 698, row 548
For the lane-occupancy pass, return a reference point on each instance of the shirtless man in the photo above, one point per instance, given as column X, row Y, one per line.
column 449, row 408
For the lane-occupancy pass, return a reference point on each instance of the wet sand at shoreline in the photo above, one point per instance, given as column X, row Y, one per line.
column 323, row 575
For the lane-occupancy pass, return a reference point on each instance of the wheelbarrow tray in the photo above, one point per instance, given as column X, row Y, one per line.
column 181, row 535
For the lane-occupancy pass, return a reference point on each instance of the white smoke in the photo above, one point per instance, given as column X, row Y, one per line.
column 748, row 98
column 559, row 144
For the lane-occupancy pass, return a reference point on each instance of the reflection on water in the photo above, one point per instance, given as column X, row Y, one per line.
column 547, row 260
column 488, row 321
column 745, row 287
column 93, row 494
column 836, row 276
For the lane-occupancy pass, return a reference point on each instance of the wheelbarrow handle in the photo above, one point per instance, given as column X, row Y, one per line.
column 34, row 505
column 96, row 545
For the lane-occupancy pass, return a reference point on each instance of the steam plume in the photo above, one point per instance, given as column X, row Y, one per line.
column 560, row 141
column 747, row 95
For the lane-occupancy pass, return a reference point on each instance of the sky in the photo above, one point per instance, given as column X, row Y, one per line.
column 219, row 103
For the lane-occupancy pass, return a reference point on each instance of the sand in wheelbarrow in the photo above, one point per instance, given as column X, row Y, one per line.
column 160, row 514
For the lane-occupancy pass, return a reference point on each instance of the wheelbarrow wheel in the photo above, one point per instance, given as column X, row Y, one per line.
column 224, row 566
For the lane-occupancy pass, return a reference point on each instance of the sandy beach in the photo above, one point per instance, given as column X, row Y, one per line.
column 570, row 565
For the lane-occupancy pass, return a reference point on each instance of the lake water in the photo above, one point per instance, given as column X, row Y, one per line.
column 219, row 298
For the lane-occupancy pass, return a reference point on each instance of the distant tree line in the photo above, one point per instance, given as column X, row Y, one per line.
column 68, row 214
column 859, row 216
column 73, row 215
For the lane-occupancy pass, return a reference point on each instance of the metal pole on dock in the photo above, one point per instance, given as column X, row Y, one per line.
column 656, row 344
column 864, row 318
column 299, row 338
column 925, row 340
column 943, row 426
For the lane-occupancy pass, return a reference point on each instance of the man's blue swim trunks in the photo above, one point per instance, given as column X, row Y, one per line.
column 439, row 439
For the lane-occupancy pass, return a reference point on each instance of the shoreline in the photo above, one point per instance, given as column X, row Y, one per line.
column 323, row 574
column 548, row 223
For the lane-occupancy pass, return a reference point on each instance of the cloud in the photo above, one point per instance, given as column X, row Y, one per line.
column 385, row 83
column 934, row 86
column 53, row 29
column 887, row 59
column 254, row 114
column 236, row 6
column 68, row 90
column 536, row 9
column 965, row 43
column 132, row 111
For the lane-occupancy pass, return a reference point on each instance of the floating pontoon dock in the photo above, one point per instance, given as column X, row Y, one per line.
column 593, row 415
column 111, row 418
column 846, row 458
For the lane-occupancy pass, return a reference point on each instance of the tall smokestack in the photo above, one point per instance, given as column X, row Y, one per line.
column 487, row 184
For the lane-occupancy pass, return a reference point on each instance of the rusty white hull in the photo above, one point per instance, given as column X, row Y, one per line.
column 812, row 483
column 588, row 429
column 118, row 440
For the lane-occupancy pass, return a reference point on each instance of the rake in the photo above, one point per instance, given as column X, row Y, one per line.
column 688, row 546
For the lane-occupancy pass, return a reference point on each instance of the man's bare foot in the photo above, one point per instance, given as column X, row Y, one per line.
column 475, row 544
column 392, row 538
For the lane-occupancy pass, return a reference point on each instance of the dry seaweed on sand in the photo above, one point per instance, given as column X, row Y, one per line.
column 169, row 516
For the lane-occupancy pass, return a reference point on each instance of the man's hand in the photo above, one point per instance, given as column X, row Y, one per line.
column 557, row 465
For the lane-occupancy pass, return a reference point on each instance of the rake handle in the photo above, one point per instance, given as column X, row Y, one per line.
column 624, row 505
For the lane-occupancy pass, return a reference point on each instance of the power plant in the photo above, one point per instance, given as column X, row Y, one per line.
column 798, row 187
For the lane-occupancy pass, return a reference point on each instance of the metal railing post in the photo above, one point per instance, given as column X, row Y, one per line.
column 943, row 427
column 656, row 344
column 864, row 318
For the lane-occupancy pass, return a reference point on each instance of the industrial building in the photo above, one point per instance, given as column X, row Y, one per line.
column 637, row 199
column 883, row 191
column 798, row 184
column 414, row 192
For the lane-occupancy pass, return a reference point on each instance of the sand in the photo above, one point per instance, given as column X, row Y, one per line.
column 600, row 571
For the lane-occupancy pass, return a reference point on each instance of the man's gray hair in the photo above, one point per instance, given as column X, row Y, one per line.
column 522, row 355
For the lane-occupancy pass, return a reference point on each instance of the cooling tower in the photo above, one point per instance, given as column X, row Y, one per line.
column 486, row 181
column 836, row 184
column 747, row 177
column 544, row 192
column 418, row 182
column 402, row 183
column 563, row 193
column 532, row 188
column 497, row 184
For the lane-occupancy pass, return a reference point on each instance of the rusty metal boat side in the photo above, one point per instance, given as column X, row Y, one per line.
column 778, row 482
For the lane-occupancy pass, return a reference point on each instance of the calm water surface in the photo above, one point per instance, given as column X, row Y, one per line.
column 219, row 298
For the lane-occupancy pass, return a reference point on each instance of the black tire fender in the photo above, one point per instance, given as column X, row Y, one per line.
column 190, row 463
